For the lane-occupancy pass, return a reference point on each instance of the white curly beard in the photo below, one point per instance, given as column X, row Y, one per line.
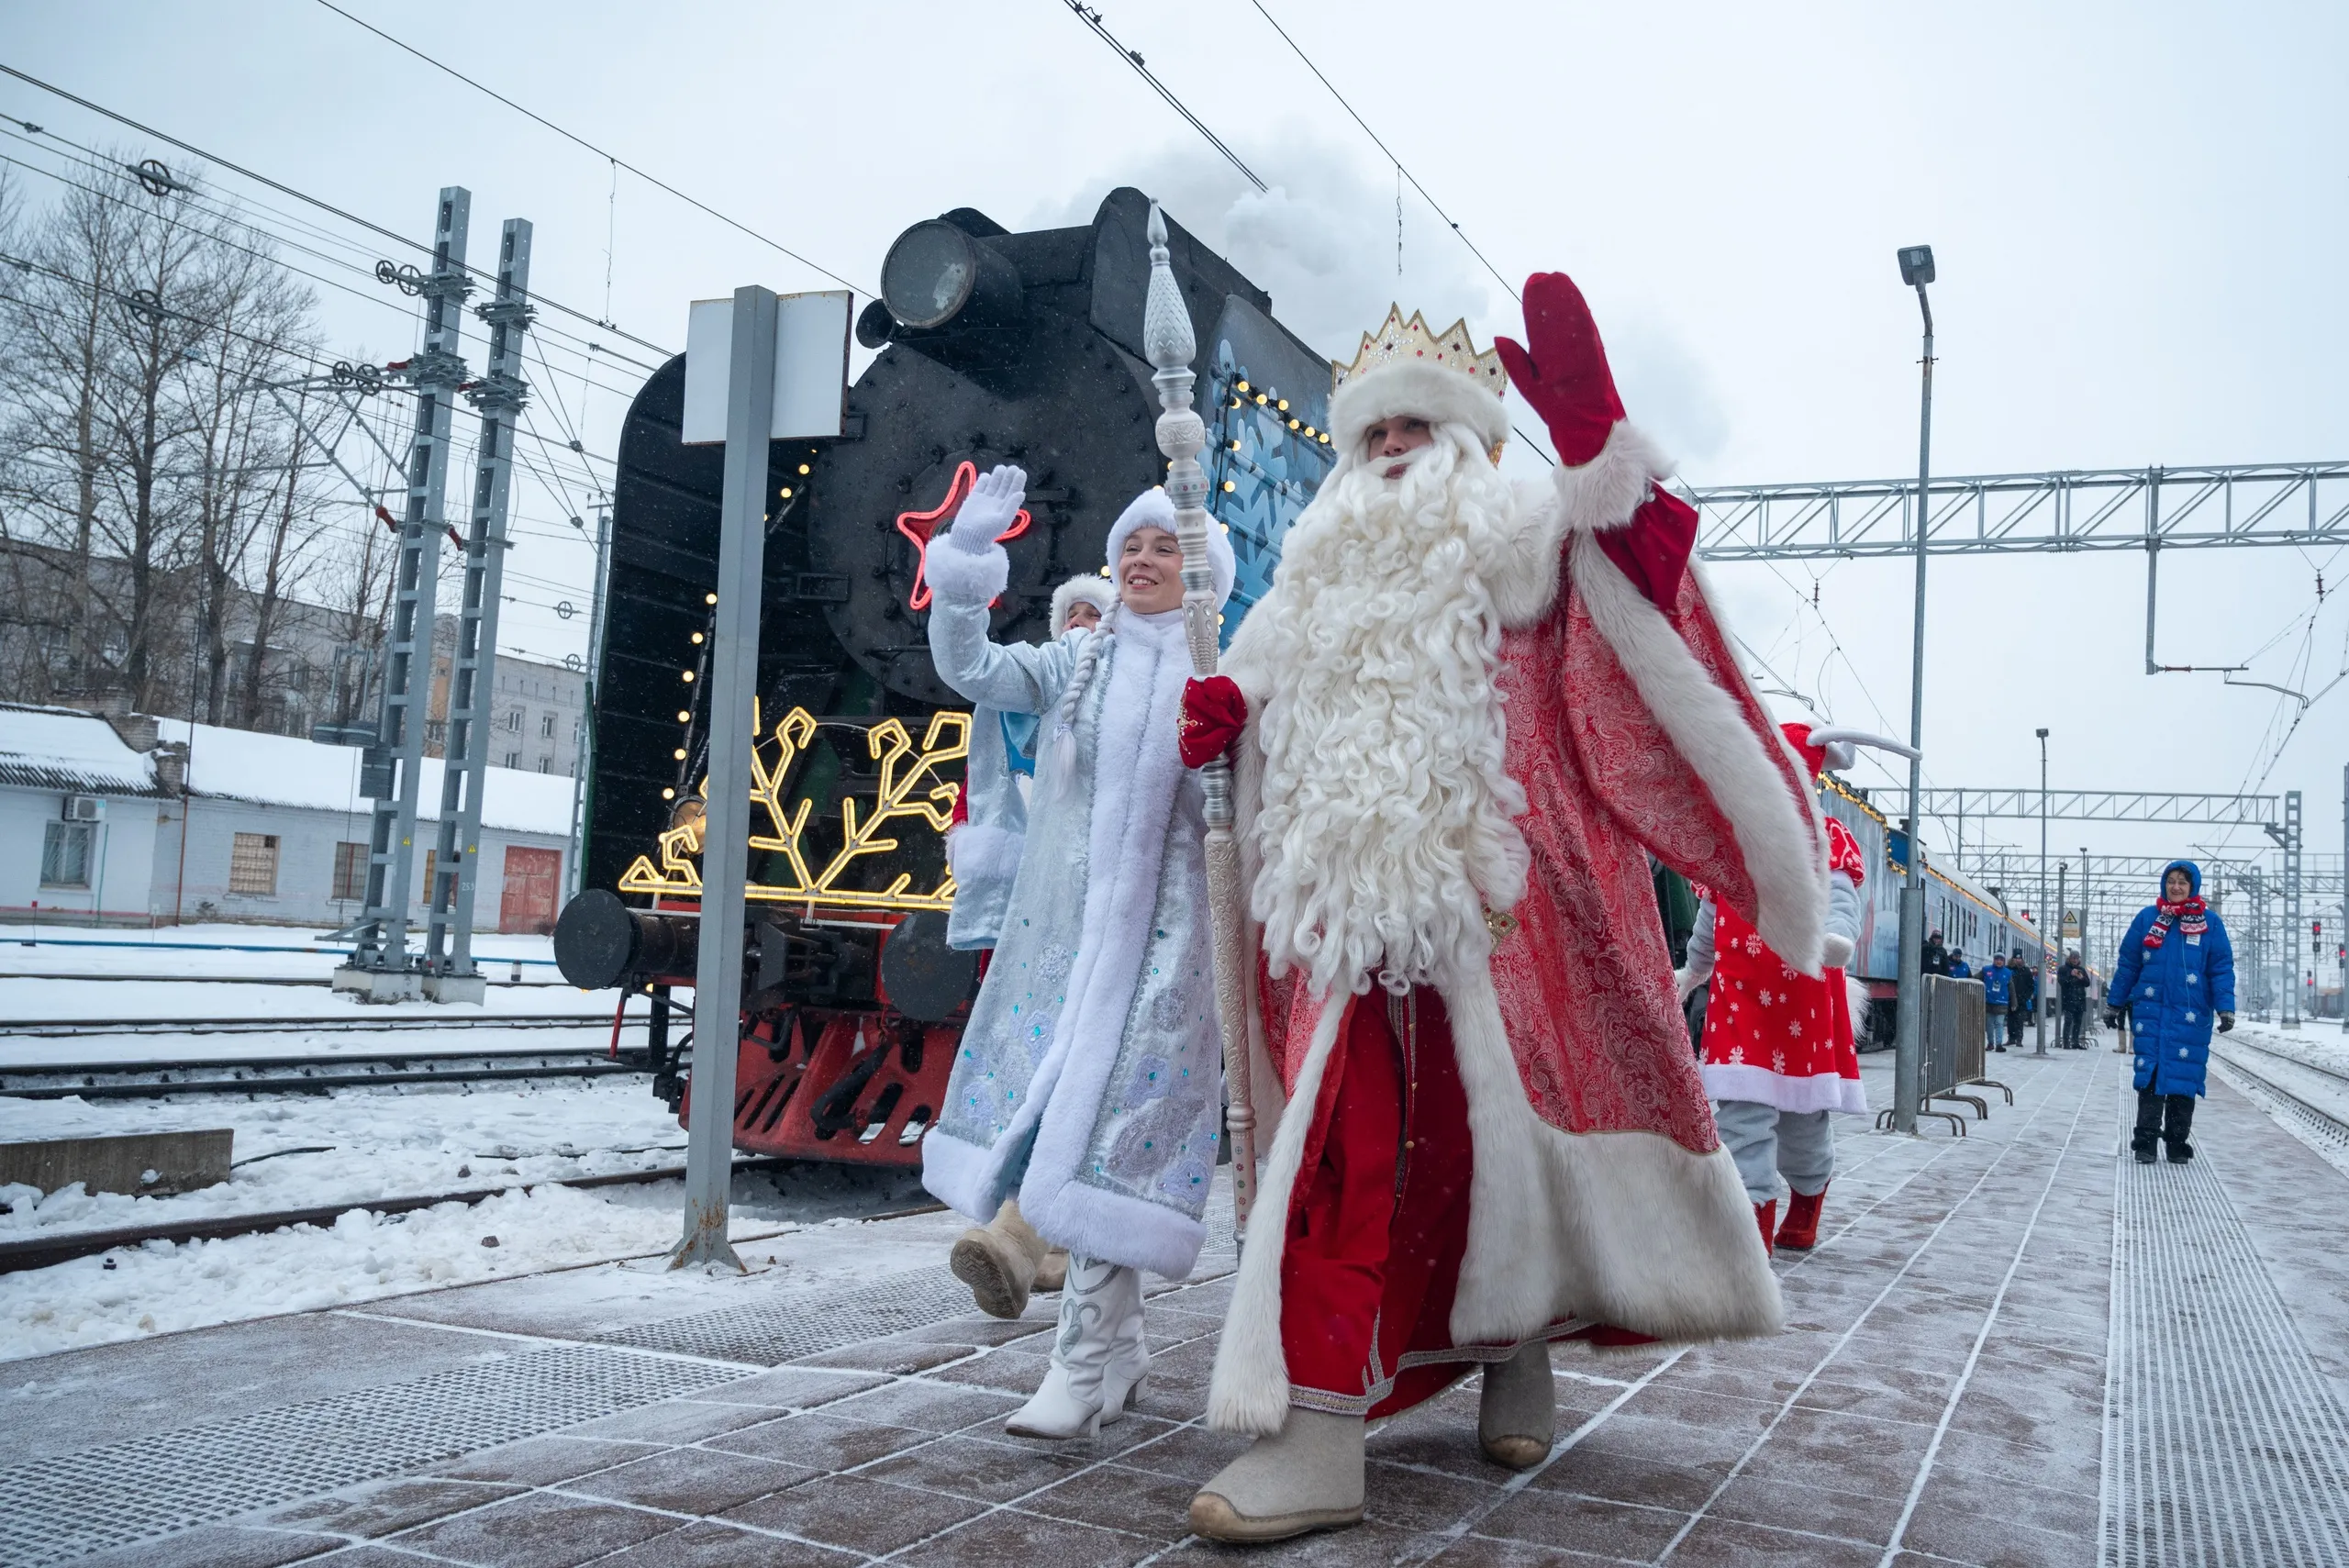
column 1384, row 830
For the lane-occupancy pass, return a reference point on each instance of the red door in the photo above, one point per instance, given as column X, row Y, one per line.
column 527, row 903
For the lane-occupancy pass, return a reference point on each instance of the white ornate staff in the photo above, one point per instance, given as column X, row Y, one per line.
column 1168, row 340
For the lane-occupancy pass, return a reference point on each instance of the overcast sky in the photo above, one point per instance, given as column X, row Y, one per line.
column 2138, row 212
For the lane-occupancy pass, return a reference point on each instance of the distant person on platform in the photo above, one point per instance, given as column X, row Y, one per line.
column 1936, row 955
column 1958, row 968
column 2071, row 989
column 1998, row 996
column 2176, row 975
column 2025, row 984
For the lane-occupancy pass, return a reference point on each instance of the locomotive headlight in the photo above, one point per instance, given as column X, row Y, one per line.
column 936, row 273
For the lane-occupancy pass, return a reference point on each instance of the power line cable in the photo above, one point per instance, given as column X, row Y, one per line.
column 612, row 158
column 322, row 206
column 1092, row 20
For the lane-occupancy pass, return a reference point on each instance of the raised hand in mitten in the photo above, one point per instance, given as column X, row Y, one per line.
column 990, row 510
column 1213, row 715
column 1835, row 949
column 1561, row 369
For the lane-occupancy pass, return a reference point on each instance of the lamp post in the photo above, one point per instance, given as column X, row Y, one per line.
column 2039, row 996
column 1908, row 1054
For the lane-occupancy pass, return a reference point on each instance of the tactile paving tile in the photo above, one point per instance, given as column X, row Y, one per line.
column 2224, row 1445
column 71, row 1505
column 787, row 1327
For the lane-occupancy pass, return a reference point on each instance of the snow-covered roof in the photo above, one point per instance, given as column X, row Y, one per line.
column 68, row 750
column 286, row 770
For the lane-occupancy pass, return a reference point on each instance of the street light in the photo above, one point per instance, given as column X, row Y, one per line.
column 1909, row 1055
column 2038, row 1038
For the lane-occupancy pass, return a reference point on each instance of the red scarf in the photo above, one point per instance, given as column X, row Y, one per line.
column 2186, row 912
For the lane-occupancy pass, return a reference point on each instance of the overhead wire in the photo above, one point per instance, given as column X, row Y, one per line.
column 1133, row 57
column 611, row 157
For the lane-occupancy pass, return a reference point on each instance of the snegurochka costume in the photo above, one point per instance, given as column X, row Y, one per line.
column 1780, row 1054
column 1088, row 1081
column 1003, row 1260
column 1463, row 717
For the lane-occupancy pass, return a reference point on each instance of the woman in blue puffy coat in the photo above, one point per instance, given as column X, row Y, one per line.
column 2176, row 977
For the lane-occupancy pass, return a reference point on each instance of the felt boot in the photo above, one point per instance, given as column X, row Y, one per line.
column 1517, row 1416
column 1766, row 1214
column 999, row 1261
column 1800, row 1232
column 1098, row 1355
column 1307, row 1476
column 1052, row 1272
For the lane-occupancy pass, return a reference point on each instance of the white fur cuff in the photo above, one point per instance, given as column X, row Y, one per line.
column 981, row 852
column 959, row 577
column 1835, row 949
column 1603, row 493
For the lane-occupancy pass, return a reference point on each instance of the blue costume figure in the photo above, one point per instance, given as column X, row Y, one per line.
column 1997, row 991
column 2176, row 977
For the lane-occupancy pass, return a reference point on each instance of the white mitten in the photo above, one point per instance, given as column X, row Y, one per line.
column 1834, row 951
column 989, row 508
column 1684, row 984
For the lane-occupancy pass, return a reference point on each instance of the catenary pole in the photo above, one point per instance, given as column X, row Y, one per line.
column 726, row 819
column 2039, row 958
column 1908, row 1054
column 584, row 744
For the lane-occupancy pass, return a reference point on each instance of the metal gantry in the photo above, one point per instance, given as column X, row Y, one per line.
column 2071, row 509
column 2103, row 805
column 448, row 961
column 381, row 967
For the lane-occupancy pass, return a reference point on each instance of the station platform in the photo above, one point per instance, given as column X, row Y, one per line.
column 2014, row 1347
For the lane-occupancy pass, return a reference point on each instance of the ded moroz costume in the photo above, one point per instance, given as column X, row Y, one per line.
column 1463, row 716
column 1088, row 1081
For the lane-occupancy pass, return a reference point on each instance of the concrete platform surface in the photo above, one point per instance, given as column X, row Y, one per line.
column 2017, row 1347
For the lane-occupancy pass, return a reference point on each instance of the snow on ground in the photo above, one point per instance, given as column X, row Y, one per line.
column 161, row 1288
column 407, row 1141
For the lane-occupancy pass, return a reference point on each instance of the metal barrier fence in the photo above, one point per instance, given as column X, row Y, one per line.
column 1956, row 1018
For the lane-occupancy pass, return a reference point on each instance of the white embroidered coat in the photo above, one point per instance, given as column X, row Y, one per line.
column 1089, row 1078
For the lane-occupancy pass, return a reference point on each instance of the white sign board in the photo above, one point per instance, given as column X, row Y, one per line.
column 810, row 366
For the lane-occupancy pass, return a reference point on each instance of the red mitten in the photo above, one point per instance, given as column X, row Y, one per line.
column 1213, row 713
column 1652, row 548
column 1565, row 376
column 962, row 812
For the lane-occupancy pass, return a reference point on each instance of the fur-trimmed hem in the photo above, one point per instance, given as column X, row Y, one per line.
column 1249, row 1390
column 979, row 851
column 963, row 1176
column 963, row 577
column 1427, row 391
column 1778, row 837
column 1095, row 1223
column 1759, row 1085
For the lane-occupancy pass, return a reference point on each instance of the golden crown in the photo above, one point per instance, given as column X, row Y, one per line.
column 1399, row 342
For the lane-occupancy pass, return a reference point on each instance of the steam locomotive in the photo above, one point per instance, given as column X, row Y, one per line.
column 990, row 346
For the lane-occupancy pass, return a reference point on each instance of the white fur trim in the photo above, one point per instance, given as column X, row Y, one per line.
column 1822, row 1092
column 1153, row 509
column 979, row 851
column 1249, row 1390
column 1429, row 392
column 1856, row 1002
column 963, row 577
column 1605, row 492
column 1778, row 836
column 1099, row 592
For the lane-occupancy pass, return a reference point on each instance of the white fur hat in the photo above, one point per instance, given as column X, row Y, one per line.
column 1429, row 392
column 1153, row 509
column 1099, row 592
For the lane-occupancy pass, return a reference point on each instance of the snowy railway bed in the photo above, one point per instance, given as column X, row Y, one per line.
column 2312, row 1096
column 298, row 1074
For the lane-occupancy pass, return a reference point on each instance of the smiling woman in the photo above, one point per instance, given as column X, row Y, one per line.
column 1150, row 572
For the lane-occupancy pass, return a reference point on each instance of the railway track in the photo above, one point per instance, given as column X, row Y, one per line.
column 337, row 1023
column 2326, row 1117
column 42, row 1251
column 299, row 1074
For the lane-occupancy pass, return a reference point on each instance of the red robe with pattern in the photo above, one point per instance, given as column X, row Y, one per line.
column 1772, row 1035
column 1600, row 1193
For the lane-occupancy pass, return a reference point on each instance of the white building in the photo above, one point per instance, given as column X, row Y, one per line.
column 136, row 820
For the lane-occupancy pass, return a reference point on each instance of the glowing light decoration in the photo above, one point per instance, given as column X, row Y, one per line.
column 918, row 525
column 917, row 789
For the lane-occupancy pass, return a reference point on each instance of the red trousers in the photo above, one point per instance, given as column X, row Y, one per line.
column 1379, row 1218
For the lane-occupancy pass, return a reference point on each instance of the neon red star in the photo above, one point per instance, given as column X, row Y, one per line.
column 918, row 525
